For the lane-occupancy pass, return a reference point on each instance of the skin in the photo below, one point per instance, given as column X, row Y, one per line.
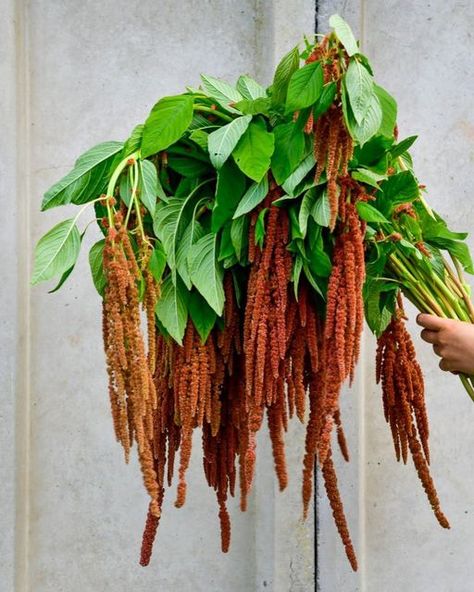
column 452, row 341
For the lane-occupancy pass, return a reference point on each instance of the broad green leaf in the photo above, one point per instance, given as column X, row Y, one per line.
column 402, row 146
column 200, row 137
column 202, row 315
column 318, row 260
column 260, row 227
column 170, row 222
column 400, row 188
column 157, row 262
column 230, row 187
column 289, row 151
column 222, row 142
column 222, row 91
column 344, row 34
column 254, row 195
column 298, row 175
column 193, row 232
column 389, row 112
column 56, row 251
column 321, row 211
column 134, row 141
column 167, row 122
column 254, row 106
column 305, row 87
column 188, row 167
column 281, row 201
column 96, row 260
column 148, row 185
column 67, row 273
column 239, row 235
column 205, row 272
column 286, row 67
column 360, row 90
column 379, row 309
column 326, row 99
column 370, row 123
column 368, row 213
column 87, row 179
column 368, row 177
column 249, row 88
column 171, row 308
column 254, row 150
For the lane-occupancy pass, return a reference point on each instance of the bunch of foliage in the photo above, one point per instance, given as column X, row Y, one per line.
column 257, row 227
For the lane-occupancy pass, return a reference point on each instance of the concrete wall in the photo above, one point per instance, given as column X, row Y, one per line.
column 77, row 73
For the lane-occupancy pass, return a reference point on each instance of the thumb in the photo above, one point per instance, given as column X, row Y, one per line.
column 431, row 322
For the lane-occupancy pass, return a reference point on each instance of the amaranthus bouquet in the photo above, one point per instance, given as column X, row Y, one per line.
column 255, row 227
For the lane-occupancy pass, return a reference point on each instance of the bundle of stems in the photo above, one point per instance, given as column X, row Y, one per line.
column 447, row 296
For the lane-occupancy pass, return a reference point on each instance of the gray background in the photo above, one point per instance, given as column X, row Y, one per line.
column 77, row 73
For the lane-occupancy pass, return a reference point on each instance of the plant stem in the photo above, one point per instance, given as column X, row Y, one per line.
column 205, row 109
column 113, row 181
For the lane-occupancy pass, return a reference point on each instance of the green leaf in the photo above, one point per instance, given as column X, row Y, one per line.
column 167, row 122
column 157, row 262
column 368, row 213
column 226, row 248
column 188, row 166
column 171, row 308
column 296, row 273
column 326, row 99
column 134, row 141
column 321, row 211
column 254, row 106
column 360, row 90
column 202, row 315
column 223, row 141
column 239, row 232
column 286, row 67
column 68, row 272
column 400, row 188
column 305, row 87
column 229, row 190
column 254, row 195
column 96, row 257
column 125, row 188
column 87, row 179
column 370, row 123
column 200, row 137
column 344, row 34
column 389, row 112
column 249, row 88
column 193, row 232
column 260, row 227
column 56, row 251
column 222, row 91
column 402, row 146
column 368, row 177
column 206, row 274
column 289, row 150
column 254, row 150
column 291, row 184
column 170, row 221
column 148, row 185
column 379, row 308
column 306, row 207
column 318, row 260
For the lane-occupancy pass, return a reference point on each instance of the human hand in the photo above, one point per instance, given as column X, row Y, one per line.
column 452, row 341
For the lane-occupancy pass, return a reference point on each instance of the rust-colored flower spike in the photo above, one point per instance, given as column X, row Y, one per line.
column 403, row 398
